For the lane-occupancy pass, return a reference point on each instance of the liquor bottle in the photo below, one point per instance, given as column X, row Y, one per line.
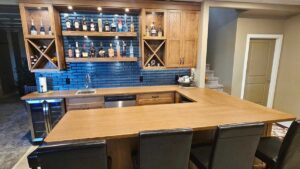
column 92, row 51
column 111, row 51
column 106, row 26
column 32, row 28
column 84, row 24
column 160, row 32
column 113, row 26
column 100, row 26
column 70, row 52
column 147, row 31
column 131, row 25
column 42, row 29
column 153, row 30
column 68, row 24
column 131, row 53
column 101, row 52
column 118, row 49
column 92, row 26
column 84, row 52
column 49, row 31
column 124, row 50
column 77, row 51
column 125, row 27
column 76, row 24
column 120, row 25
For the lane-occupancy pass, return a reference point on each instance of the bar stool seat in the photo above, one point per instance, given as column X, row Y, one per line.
column 268, row 150
column 200, row 154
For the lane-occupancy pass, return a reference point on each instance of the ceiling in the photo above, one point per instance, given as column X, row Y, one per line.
column 272, row 14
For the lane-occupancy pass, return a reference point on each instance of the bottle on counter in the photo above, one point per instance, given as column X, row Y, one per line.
column 153, row 31
column 131, row 53
column 124, row 50
column 92, row 25
column 120, row 25
column 77, row 51
column 101, row 52
column 33, row 30
column 70, row 52
column 100, row 26
column 118, row 47
column 84, row 24
column 160, row 32
column 84, row 52
column 92, row 51
column 131, row 25
column 113, row 26
column 42, row 29
column 111, row 51
column 147, row 31
column 49, row 31
column 68, row 24
column 125, row 27
column 76, row 24
column 106, row 26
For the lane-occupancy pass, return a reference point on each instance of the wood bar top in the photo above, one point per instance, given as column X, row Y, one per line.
column 209, row 110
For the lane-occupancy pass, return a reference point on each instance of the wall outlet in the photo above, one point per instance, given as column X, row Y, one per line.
column 68, row 81
column 141, row 79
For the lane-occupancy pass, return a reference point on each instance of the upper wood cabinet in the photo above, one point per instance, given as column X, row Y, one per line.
column 182, row 38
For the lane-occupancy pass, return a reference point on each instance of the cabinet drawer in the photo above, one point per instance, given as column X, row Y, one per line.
column 84, row 103
column 155, row 98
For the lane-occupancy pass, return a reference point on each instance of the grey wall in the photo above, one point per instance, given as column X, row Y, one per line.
column 8, row 2
column 221, row 43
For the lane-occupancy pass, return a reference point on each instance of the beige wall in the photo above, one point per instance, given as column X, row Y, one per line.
column 249, row 26
column 221, row 42
column 287, row 95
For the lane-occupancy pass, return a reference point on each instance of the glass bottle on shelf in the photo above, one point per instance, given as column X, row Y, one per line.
column 111, row 51
column 92, row 51
column 92, row 25
column 76, row 24
column 100, row 26
column 125, row 27
column 70, row 52
column 160, row 31
column 153, row 30
column 124, row 50
column 84, row 24
column 113, row 26
column 118, row 47
column 42, row 29
column 33, row 28
column 120, row 25
column 68, row 24
column 106, row 26
column 84, row 52
column 101, row 52
column 131, row 25
column 49, row 31
column 147, row 31
column 152, row 62
column 131, row 53
column 77, row 51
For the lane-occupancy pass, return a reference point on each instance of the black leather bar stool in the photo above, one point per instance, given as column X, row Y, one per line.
column 70, row 155
column 279, row 154
column 233, row 148
column 164, row 149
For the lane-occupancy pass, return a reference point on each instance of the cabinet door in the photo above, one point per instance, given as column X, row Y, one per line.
column 174, row 39
column 190, row 33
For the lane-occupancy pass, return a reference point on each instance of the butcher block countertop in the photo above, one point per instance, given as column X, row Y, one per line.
column 209, row 110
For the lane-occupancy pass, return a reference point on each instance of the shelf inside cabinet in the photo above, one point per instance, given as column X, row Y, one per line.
column 154, row 38
column 113, row 59
column 99, row 34
column 39, row 37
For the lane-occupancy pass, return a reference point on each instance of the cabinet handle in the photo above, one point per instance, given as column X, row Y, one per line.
column 155, row 97
column 183, row 60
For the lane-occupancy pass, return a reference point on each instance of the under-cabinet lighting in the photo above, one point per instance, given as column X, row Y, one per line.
column 126, row 9
column 70, row 7
column 85, row 36
column 39, row 8
column 99, row 9
column 116, row 37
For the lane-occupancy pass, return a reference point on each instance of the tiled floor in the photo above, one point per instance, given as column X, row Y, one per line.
column 14, row 131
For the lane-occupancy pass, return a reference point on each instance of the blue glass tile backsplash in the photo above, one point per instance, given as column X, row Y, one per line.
column 107, row 75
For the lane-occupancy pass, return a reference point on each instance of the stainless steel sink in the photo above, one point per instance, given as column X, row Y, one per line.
column 86, row 91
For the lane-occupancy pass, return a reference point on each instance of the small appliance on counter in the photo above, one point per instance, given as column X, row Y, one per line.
column 187, row 81
column 42, row 87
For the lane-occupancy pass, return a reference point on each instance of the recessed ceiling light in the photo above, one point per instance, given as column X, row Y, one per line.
column 126, row 9
column 99, row 9
column 70, row 7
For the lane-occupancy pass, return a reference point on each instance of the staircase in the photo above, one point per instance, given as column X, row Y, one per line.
column 211, row 81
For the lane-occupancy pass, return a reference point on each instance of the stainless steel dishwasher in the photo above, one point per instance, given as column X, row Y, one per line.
column 120, row 101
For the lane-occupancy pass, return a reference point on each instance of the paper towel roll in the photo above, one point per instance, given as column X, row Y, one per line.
column 43, row 84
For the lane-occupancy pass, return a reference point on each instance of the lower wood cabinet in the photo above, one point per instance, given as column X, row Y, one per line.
column 84, row 103
column 155, row 98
